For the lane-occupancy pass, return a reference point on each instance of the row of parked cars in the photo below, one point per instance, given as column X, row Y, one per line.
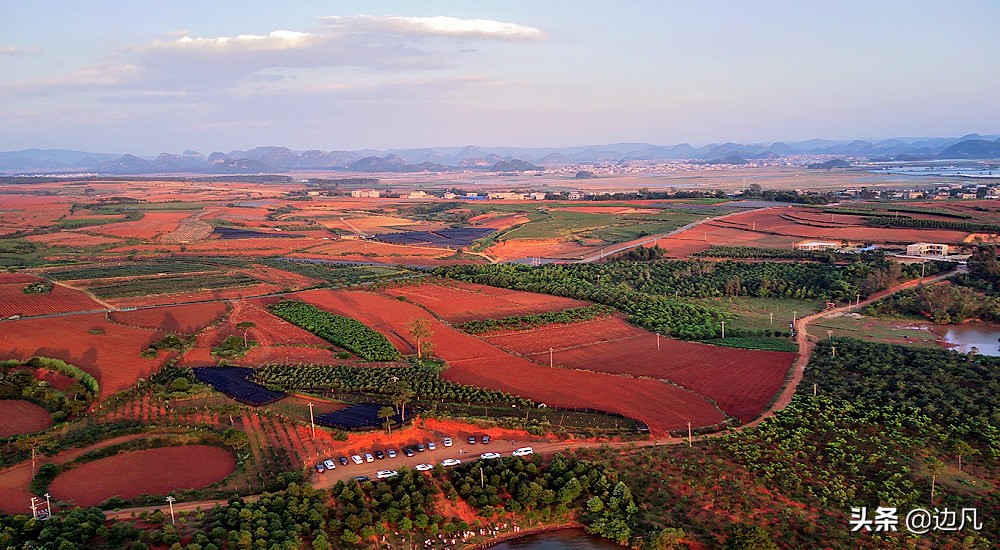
column 329, row 464
column 448, row 462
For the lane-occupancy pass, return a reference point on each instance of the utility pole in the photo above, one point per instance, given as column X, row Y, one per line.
column 657, row 341
column 551, row 364
column 723, row 330
column 690, row 443
column 829, row 334
column 833, row 351
column 794, row 314
column 814, row 390
column 48, row 504
column 312, row 420
column 170, row 501
column 482, row 478
column 771, row 315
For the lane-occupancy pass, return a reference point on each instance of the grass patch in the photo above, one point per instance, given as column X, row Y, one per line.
column 754, row 342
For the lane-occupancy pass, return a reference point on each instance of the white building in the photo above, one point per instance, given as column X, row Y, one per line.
column 366, row 194
column 927, row 249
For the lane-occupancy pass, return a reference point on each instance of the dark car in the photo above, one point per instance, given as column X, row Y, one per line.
column 472, row 440
column 408, row 451
column 379, row 455
column 343, row 461
column 362, row 478
column 486, row 440
column 420, row 447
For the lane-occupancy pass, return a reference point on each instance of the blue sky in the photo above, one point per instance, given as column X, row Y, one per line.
column 148, row 77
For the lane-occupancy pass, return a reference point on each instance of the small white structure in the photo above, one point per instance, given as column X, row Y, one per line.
column 817, row 245
column 927, row 249
column 538, row 196
column 366, row 194
column 418, row 195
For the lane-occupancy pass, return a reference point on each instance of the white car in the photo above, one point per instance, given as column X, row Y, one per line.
column 450, row 462
column 329, row 464
column 523, row 451
column 369, row 457
column 391, row 453
column 431, row 446
column 447, row 442
column 489, row 456
column 423, row 467
column 386, row 474
column 357, row 459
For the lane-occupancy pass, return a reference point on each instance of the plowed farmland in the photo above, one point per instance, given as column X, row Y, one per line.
column 152, row 225
column 458, row 302
column 22, row 417
column 741, row 382
column 780, row 227
column 13, row 300
column 109, row 352
column 472, row 361
column 71, row 239
column 186, row 319
column 153, row 471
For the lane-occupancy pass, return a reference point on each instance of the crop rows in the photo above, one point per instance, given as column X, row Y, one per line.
column 341, row 331
column 425, row 383
column 760, row 252
column 523, row 322
column 970, row 227
column 171, row 284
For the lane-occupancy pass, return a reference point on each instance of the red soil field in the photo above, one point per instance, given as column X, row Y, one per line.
column 112, row 357
column 253, row 247
column 280, row 341
column 741, row 382
column 11, row 278
column 197, row 296
column 152, row 225
column 457, row 302
column 498, row 221
column 71, row 239
column 152, row 471
column 22, row 417
column 186, row 319
column 13, row 301
column 542, row 248
column 475, row 362
column 281, row 277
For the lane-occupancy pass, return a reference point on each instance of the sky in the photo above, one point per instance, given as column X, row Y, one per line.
column 120, row 76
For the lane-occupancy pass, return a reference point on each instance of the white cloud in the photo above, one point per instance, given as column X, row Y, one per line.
column 17, row 50
column 276, row 40
column 436, row 26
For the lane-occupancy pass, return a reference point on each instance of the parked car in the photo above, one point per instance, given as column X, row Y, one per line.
column 379, row 455
column 391, row 453
column 369, row 457
column 319, row 468
column 431, row 446
column 362, row 478
column 450, row 462
column 447, row 442
column 489, row 456
column 329, row 464
column 523, row 451
column 386, row 474
column 421, row 448
column 357, row 459
column 472, row 440
column 486, row 440
column 423, row 467
column 343, row 460
column 408, row 451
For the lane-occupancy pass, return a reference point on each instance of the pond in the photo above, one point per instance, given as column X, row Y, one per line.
column 573, row 539
column 965, row 337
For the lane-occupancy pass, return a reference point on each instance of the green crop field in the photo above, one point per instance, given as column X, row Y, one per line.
column 171, row 284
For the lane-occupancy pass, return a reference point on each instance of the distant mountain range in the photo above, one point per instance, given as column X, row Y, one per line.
column 488, row 159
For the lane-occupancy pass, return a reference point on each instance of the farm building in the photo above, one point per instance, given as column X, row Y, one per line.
column 927, row 249
column 365, row 194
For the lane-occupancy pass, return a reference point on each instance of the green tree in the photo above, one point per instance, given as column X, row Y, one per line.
column 420, row 329
column 245, row 326
column 935, row 467
column 749, row 537
column 961, row 448
column 387, row 413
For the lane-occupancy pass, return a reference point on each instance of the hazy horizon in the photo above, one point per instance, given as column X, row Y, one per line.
column 120, row 77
